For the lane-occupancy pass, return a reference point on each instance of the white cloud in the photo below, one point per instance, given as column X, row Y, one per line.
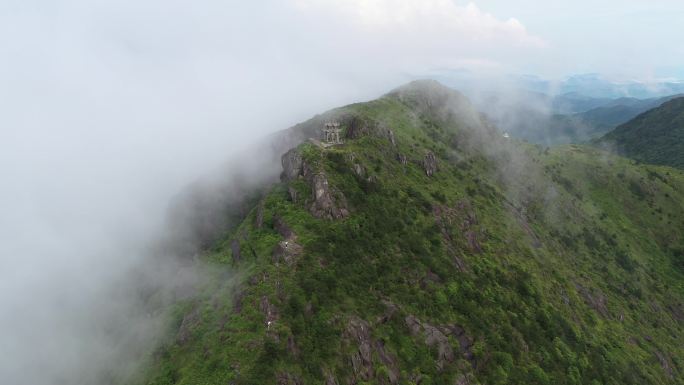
column 451, row 24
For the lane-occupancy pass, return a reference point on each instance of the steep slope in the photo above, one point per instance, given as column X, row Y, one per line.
column 656, row 136
column 429, row 249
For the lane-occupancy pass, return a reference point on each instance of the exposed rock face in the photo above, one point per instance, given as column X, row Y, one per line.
column 269, row 310
column 294, row 195
column 358, row 127
column 461, row 218
column 437, row 336
column 390, row 311
column 238, row 297
column 292, row 347
column 189, row 321
column 594, row 299
column 358, row 333
column 430, row 163
column 287, row 251
column 358, row 170
column 664, row 363
column 389, row 362
column 325, row 202
column 330, row 380
column 259, row 220
column 292, row 165
column 469, row 225
column 402, row 159
column 390, row 136
column 288, row 379
column 282, row 228
column 235, row 250
column 677, row 312
column 462, row 380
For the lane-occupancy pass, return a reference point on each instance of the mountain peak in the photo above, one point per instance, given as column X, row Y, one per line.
column 424, row 249
column 427, row 89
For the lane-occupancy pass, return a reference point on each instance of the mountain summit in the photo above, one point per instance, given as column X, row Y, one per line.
column 428, row 248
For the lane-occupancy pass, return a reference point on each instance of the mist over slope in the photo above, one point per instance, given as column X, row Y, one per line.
column 428, row 248
column 561, row 119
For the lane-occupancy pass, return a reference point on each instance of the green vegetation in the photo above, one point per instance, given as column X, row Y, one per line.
column 512, row 264
column 656, row 136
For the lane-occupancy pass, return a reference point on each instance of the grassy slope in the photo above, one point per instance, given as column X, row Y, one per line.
column 656, row 136
column 576, row 275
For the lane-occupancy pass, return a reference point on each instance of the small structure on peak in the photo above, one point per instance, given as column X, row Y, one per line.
column 331, row 133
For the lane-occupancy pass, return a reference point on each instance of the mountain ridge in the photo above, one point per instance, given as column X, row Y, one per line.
column 428, row 248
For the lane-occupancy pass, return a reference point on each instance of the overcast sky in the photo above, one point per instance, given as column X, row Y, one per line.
column 109, row 107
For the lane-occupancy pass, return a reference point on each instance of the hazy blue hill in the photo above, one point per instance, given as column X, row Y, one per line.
column 550, row 121
column 656, row 136
column 620, row 111
column 598, row 86
column 430, row 249
column 572, row 103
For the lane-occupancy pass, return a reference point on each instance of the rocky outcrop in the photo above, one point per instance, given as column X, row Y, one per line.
column 284, row 378
column 594, row 299
column 390, row 136
column 259, row 218
column 286, row 251
column 364, row 348
column 462, row 219
column 358, row 331
column 189, row 322
column 390, row 311
column 430, row 163
column 677, row 312
column 330, row 379
column 325, row 201
column 664, row 362
column 402, row 159
column 294, row 194
column 470, row 226
column 238, row 297
column 357, row 127
column 359, row 170
column 282, row 228
column 292, row 348
column 269, row 310
column 292, row 165
column 235, row 250
column 437, row 337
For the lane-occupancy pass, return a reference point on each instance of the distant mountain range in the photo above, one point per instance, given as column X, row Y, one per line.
column 567, row 118
column 600, row 87
column 573, row 110
column 594, row 86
